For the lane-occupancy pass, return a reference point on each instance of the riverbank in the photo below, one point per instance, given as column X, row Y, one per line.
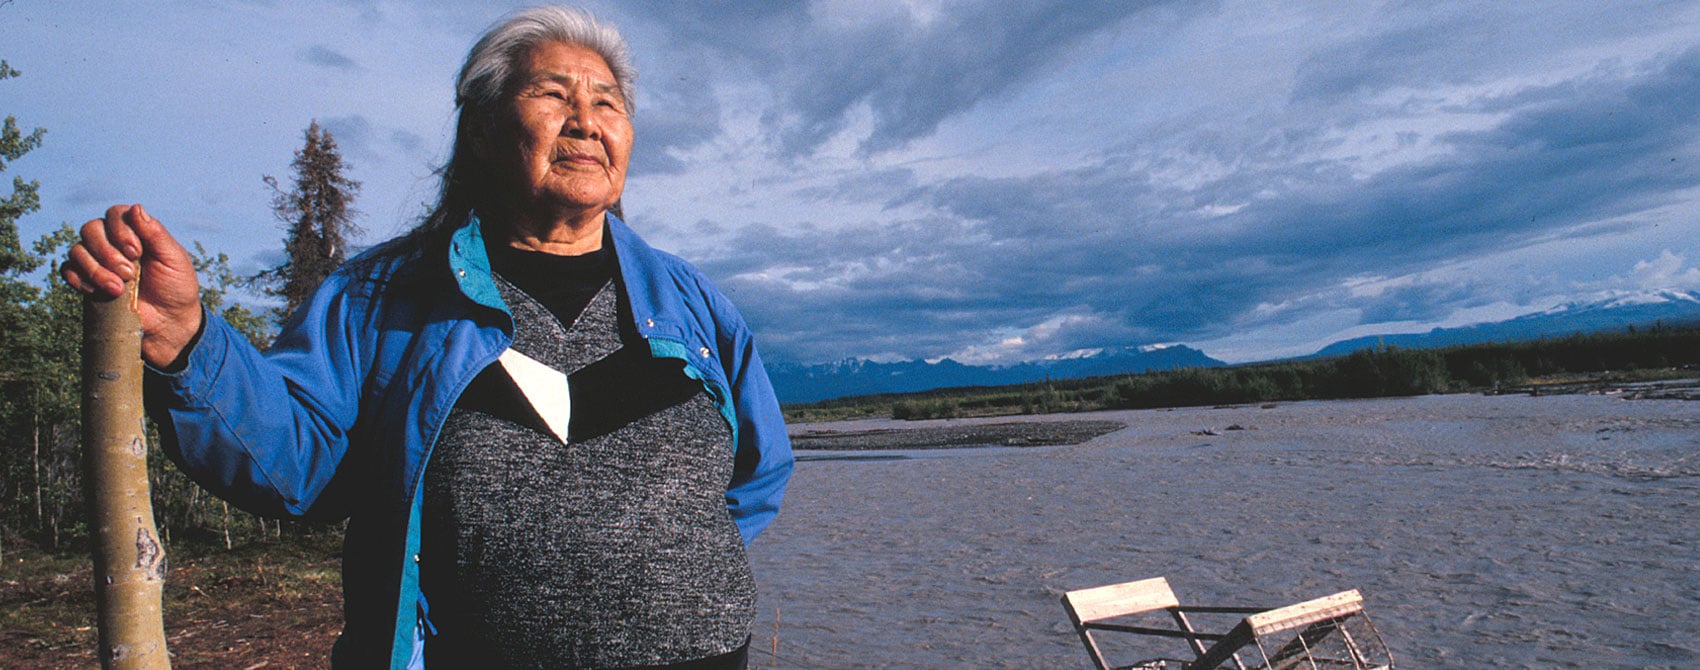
column 856, row 437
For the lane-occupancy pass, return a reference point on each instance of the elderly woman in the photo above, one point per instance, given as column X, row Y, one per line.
column 552, row 442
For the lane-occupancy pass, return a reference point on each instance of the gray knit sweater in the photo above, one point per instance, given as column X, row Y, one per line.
column 612, row 549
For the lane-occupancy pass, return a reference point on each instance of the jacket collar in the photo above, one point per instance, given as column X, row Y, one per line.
column 643, row 274
column 469, row 262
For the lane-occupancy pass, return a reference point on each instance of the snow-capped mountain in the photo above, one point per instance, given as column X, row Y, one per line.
column 1613, row 312
column 853, row 377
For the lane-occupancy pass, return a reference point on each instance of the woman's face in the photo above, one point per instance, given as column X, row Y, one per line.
column 564, row 138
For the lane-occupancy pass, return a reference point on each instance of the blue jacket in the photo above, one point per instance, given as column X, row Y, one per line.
column 338, row 419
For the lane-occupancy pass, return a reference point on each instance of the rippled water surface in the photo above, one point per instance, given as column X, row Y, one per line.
column 1483, row 531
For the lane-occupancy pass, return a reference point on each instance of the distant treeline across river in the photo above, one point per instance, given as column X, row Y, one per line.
column 1632, row 355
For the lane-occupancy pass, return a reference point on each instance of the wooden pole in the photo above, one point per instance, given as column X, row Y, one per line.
column 129, row 561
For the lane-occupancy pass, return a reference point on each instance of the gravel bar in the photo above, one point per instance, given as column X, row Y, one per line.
column 1012, row 434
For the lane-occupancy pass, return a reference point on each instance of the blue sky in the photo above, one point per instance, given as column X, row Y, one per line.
column 992, row 181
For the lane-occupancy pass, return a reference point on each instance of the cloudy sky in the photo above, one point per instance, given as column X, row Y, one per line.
column 989, row 180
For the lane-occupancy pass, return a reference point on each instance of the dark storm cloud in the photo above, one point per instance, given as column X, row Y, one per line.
column 864, row 186
column 1424, row 302
column 1418, row 45
column 914, row 77
column 1033, row 176
column 896, row 286
column 923, row 286
column 1146, row 262
column 1419, row 51
column 911, row 74
column 1569, row 154
column 677, row 111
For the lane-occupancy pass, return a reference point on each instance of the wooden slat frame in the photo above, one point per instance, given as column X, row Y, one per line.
column 1225, row 649
column 1339, row 605
column 1104, row 602
column 1308, row 613
column 1087, row 608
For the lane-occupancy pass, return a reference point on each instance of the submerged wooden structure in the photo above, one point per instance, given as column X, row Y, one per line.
column 1328, row 633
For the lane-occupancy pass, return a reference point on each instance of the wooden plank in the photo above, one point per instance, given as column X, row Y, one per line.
column 1156, row 632
column 1085, row 633
column 1220, row 652
column 1115, row 600
column 1306, row 613
column 1197, row 643
column 1209, row 609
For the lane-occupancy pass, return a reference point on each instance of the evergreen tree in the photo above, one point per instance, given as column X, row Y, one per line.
column 318, row 217
column 41, row 500
column 23, row 200
column 18, row 407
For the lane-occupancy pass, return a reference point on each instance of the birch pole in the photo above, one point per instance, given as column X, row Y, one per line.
column 129, row 562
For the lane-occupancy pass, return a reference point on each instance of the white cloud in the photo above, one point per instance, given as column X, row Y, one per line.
column 1039, row 341
column 1668, row 271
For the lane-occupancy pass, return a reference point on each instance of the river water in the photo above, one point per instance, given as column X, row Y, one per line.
column 1484, row 532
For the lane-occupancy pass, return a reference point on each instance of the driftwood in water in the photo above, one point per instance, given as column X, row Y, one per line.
column 129, row 561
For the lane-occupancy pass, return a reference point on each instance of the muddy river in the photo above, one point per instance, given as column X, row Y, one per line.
column 1502, row 532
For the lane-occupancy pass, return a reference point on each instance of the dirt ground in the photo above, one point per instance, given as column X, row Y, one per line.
column 274, row 605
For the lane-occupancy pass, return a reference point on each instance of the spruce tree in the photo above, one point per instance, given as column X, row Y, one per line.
column 318, row 218
column 14, row 143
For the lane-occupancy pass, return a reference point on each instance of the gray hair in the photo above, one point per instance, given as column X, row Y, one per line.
column 488, row 73
column 492, row 63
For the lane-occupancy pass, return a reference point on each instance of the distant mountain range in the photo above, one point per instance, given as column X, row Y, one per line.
column 853, row 377
column 1614, row 313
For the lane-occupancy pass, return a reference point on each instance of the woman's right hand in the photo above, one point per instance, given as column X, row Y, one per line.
column 113, row 249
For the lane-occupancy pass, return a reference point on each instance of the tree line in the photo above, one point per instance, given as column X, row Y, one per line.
column 41, row 501
column 1368, row 373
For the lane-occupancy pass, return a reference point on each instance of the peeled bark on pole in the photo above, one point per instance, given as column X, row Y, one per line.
column 129, row 562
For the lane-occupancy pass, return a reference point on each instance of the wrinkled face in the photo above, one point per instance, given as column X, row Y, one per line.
column 563, row 138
